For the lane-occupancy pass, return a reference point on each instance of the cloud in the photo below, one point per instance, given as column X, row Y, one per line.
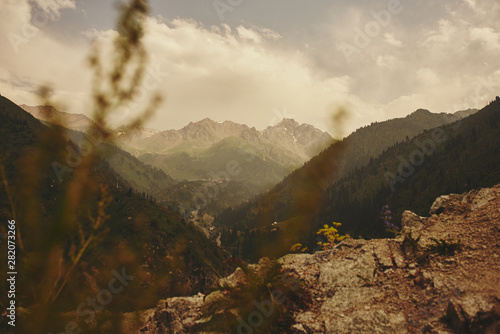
column 53, row 8
column 488, row 37
column 386, row 60
column 31, row 57
column 427, row 77
column 442, row 35
column 237, row 74
column 249, row 34
column 389, row 38
column 426, row 57
column 471, row 3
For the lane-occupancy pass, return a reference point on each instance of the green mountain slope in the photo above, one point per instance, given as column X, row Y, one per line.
column 454, row 158
column 325, row 190
column 142, row 177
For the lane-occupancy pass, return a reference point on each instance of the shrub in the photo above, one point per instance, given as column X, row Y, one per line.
column 442, row 247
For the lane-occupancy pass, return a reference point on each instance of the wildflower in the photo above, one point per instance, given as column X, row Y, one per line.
column 332, row 236
column 386, row 216
column 295, row 247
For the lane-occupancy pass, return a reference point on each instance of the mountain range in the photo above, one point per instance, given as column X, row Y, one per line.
column 199, row 154
column 351, row 180
column 202, row 150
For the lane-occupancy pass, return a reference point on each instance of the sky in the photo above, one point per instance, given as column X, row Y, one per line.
column 258, row 61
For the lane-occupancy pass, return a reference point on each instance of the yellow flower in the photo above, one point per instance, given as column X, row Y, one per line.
column 295, row 247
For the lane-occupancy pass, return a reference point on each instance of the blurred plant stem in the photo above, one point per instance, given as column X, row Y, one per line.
column 56, row 245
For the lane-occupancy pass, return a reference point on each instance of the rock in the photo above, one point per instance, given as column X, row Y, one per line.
column 177, row 316
column 411, row 222
column 447, row 204
column 298, row 329
column 474, row 314
column 397, row 254
column 414, row 272
column 427, row 278
column 234, row 278
column 310, row 322
column 377, row 321
column 383, row 254
column 478, row 199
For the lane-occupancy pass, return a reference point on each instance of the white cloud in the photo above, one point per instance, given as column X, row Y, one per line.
column 30, row 57
column 427, row 77
column 389, row 38
column 249, row 34
column 443, row 34
column 386, row 60
column 471, row 3
column 488, row 37
column 237, row 75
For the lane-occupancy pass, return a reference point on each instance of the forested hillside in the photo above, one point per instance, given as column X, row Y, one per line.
column 407, row 175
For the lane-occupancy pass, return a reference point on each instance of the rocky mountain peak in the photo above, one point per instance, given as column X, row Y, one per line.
column 288, row 123
column 206, row 121
column 421, row 112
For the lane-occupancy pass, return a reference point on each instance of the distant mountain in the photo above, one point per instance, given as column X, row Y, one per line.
column 50, row 114
column 141, row 177
column 346, row 182
column 303, row 139
column 191, row 138
column 203, row 149
column 465, row 113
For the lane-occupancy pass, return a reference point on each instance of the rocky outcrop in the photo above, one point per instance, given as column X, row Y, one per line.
column 377, row 286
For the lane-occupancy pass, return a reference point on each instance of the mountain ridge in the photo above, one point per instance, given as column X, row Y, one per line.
column 207, row 132
column 48, row 113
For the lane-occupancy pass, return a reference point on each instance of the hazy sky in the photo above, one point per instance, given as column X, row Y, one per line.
column 257, row 61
